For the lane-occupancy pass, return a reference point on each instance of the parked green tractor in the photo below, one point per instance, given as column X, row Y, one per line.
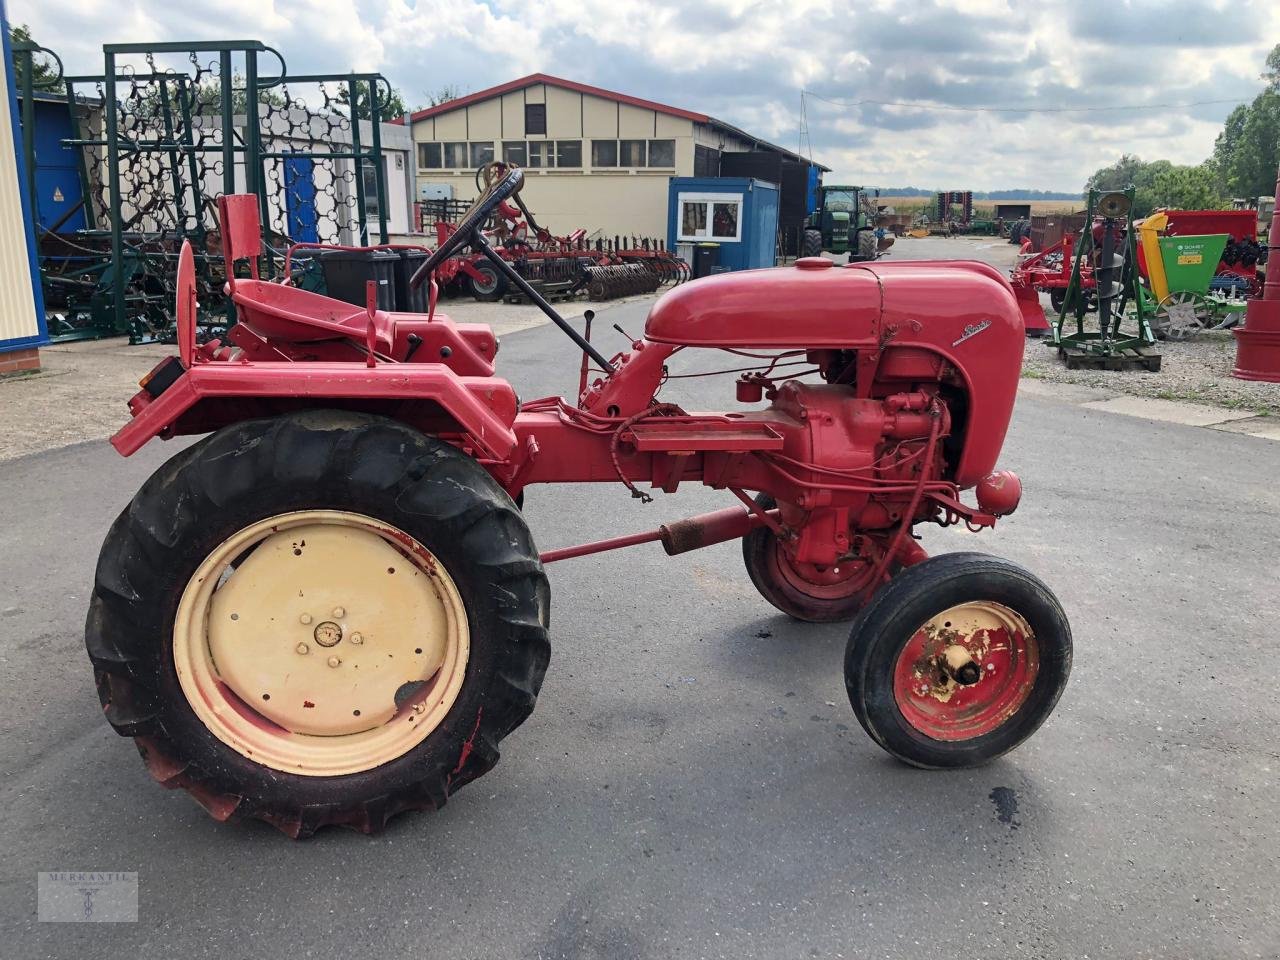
column 843, row 222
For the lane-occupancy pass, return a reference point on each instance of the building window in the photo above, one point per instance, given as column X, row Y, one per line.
column 540, row 154
column 429, row 156
column 455, row 156
column 604, row 153
column 706, row 161
column 632, row 153
column 568, row 153
column 370, row 176
column 513, row 151
column 481, row 153
column 711, row 216
column 662, row 153
column 535, row 119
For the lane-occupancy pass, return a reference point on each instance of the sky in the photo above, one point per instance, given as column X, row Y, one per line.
column 747, row 63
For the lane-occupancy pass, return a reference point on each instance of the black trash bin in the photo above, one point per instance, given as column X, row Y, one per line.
column 347, row 271
column 705, row 257
column 407, row 299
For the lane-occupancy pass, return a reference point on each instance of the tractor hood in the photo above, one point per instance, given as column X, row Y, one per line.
column 818, row 305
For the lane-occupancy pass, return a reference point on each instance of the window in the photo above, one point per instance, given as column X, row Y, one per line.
column 540, row 154
column 724, row 220
column 455, row 156
column 706, row 161
column 604, row 153
column 662, row 153
column 481, row 153
column 513, row 151
column 632, row 153
column 568, row 153
column 711, row 216
column 369, row 174
column 429, row 156
column 535, row 119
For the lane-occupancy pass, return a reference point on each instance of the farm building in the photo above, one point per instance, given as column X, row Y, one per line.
column 595, row 159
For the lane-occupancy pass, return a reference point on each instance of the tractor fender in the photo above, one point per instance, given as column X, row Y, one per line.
column 430, row 396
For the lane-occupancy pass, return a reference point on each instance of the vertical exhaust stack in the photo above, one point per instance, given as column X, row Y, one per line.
column 1258, row 341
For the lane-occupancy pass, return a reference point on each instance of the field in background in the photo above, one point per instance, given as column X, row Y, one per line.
column 983, row 209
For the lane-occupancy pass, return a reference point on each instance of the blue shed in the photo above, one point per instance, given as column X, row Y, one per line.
column 738, row 213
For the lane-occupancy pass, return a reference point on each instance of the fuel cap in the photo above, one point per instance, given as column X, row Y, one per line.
column 814, row 263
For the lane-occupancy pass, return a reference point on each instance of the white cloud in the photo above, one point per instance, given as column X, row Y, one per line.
column 746, row 62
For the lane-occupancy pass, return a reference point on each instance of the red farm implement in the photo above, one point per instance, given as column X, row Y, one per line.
column 556, row 266
column 330, row 610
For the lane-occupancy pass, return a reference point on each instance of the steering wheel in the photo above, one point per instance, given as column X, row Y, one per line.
column 481, row 210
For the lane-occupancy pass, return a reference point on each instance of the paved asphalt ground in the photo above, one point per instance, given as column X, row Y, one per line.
column 693, row 782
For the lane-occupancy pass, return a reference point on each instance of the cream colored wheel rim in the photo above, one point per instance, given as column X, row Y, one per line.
column 321, row 642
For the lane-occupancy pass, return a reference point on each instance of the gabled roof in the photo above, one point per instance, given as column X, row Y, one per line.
column 536, row 78
column 543, row 78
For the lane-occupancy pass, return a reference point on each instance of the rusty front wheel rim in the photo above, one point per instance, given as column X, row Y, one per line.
column 287, row 635
column 931, row 677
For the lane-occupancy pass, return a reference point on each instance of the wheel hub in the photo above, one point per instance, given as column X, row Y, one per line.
column 966, row 671
column 321, row 642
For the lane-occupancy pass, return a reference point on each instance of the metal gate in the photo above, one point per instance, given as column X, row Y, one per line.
column 167, row 129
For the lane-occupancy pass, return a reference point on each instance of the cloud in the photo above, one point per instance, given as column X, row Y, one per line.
column 747, row 61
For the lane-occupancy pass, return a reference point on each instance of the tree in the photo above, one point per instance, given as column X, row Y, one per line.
column 446, row 93
column 390, row 105
column 1248, row 149
column 45, row 74
column 1161, row 184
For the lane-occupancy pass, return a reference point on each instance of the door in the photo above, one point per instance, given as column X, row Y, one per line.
column 300, row 199
column 57, row 175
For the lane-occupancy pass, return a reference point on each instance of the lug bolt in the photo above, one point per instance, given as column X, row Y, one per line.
column 357, row 638
column 339, row 612
column 334, row 661
column 302, row 648
column 305, row 619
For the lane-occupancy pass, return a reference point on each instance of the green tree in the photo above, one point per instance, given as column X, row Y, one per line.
column 1247, row 151
column 1187, row 188
column 45, row 74
column 390, row 105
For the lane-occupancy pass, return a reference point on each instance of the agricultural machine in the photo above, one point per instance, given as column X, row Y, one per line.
column 330, row 610
column 551, row 264
column 844, row 221
column 1196, row 269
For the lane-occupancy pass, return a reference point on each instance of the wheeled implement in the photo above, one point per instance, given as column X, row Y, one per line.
column 330, row 609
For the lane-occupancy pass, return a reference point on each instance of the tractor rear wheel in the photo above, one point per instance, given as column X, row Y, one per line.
column 320, row 618
column 958, row 660
column 811, row 246
column 490, row 286
column 804, row 591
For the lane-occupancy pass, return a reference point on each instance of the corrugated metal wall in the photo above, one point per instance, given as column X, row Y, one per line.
column 18, row 321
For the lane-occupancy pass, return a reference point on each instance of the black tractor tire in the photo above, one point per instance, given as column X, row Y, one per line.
column 492, row 288
column 331, row 460
column 763, row 556
column 811, row 244
column 866, row 248
column 904, row 606
column 1057, row 297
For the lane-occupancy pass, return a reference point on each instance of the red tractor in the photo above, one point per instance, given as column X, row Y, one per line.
column 330, row 610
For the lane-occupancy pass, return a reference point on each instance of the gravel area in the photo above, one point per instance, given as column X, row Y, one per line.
column 1197, row 370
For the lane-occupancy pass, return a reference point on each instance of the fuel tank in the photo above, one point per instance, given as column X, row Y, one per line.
column 921, row 317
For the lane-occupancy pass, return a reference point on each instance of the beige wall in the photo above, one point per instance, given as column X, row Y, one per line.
column 608, row 200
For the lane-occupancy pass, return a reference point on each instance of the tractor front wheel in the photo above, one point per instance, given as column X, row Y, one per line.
column 321, row 618
column 811, row 245
column 958, row 660
column 810, row 592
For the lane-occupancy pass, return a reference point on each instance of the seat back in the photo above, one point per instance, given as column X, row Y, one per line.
column 241, row 232
column 186, row 305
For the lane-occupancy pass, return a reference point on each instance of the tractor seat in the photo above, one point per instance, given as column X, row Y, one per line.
column 290, row 315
